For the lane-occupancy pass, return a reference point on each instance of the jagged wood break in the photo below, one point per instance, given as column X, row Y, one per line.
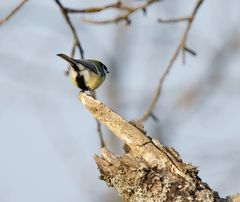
column 147, row 171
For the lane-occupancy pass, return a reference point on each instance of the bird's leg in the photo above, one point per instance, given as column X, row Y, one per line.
column 81, row 91
column 92, row 93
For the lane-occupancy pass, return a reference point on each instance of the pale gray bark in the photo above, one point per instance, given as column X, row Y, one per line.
column 147, row 171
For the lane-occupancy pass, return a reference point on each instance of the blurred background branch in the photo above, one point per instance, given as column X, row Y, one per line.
column 181, row 47
column 76, row 40
column 127, row 11
column 117, row 5
column 13, row 12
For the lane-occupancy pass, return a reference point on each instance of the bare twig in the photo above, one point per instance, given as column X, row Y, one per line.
column 76, row 42
column 124, row 16
column 192, row 52
column 117, row 5
column 181, row 47
column 108, row 21
column 174, row 20
column 99, row 129
column 6, row 18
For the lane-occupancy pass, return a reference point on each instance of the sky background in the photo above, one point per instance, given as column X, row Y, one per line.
column 48, row 138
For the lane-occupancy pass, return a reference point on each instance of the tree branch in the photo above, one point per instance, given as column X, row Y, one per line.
column 148, row 171
column 117, row 5
column 76, row 40
column 174, row 20
column 123, row 17
column 181, row 47
column 6, row 18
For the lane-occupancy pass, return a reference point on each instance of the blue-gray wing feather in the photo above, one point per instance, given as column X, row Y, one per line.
column 88, row 65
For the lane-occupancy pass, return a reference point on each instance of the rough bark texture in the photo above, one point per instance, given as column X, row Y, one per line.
column 147, row 171
column 137, row 180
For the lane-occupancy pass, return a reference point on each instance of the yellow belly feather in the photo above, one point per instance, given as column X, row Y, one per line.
column 94, row 80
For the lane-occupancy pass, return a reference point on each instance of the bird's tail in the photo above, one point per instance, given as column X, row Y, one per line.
column 67, row 58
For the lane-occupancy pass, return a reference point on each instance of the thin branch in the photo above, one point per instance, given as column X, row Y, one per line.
column 174, row 20
column 168, row 67
column 188, row 50
column 123, row 17
column 6, row 18
column 75, row 36
column 192, row 52
column 117, row 5
column 99, row 129
column 154, row 117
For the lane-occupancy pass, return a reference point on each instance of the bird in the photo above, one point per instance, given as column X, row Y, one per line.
column 87, row 74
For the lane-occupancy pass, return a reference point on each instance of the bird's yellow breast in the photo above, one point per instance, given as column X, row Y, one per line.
column 93, row 80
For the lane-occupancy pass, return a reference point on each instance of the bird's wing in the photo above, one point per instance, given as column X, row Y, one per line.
column 88, row 65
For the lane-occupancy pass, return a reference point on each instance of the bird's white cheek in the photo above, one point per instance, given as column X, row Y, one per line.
column 85, row 74
column 73, row 75
column 81, row 67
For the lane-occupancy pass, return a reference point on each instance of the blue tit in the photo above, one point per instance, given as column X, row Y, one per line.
column 86, row 74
